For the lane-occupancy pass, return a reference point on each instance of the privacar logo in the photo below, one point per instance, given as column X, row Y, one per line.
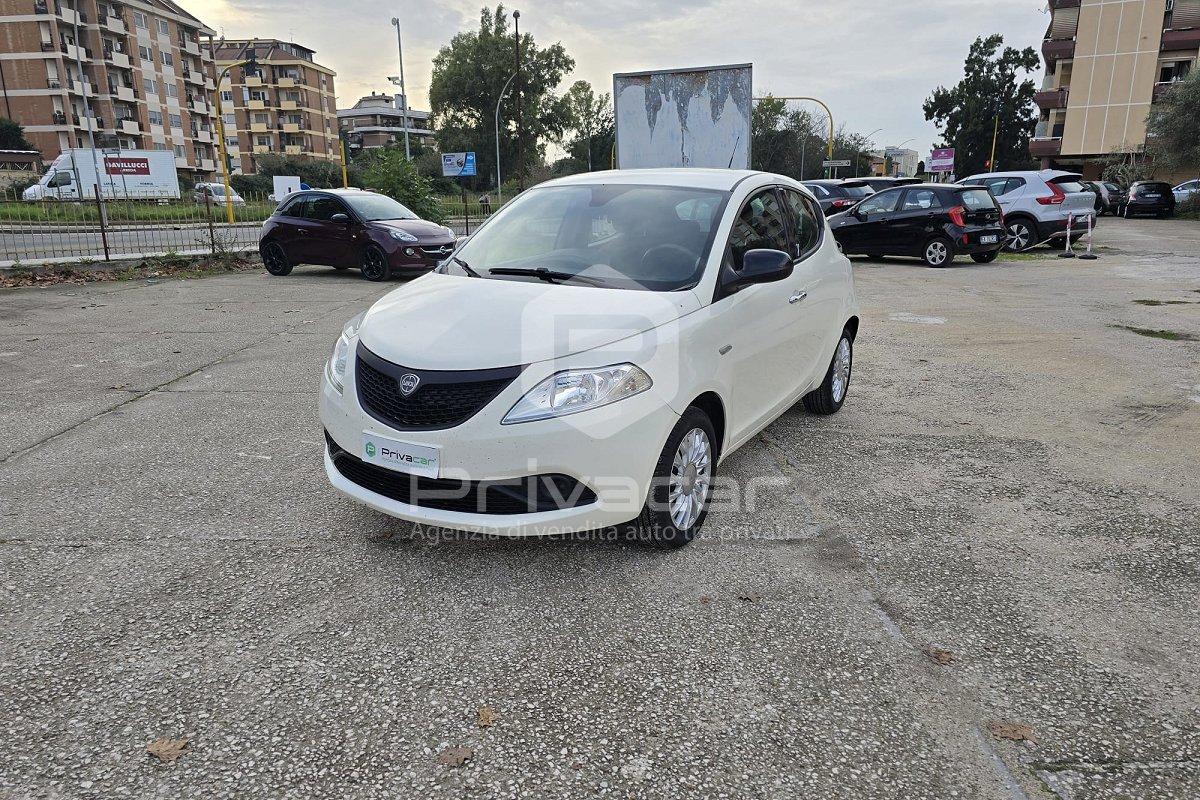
column 370, row 447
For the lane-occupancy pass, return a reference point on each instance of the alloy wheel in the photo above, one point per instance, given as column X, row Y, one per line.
column 841, row 370
column 275, row 259
column 691, row 474
column 936, row 252
column 1019, row 236
column 373, row 264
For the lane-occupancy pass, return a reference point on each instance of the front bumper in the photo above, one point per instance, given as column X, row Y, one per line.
column 612, row 451
column 418, row 257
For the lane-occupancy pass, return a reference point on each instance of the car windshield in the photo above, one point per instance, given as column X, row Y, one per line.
column 216, row 188
column 978, row 199
column 377, row 206
column 654, row 238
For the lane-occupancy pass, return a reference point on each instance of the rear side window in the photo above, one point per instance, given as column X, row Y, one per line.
column 295, row 207
column 978, row 200
column 1112, row 187
column 806, row 230
column 857, row 191
column 1068, row 185
column 760, row 226
column 921, row 200
column 999, row 186
column 817, row 189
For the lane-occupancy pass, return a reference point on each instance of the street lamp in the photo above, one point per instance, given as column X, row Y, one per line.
column 868, row 139
column 499, row 100
column 403, row 93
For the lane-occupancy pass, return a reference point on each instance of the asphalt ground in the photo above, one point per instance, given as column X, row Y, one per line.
column 979, row 580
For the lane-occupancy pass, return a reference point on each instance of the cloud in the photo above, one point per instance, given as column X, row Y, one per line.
column 873, row 61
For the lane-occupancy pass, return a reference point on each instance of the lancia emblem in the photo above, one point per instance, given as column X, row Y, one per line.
column 409, row 383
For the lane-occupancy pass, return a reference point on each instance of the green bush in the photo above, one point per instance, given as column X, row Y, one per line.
column 389, row 172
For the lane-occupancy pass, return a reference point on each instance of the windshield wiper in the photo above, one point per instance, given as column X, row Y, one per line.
column 466, row 267
column 548, row 275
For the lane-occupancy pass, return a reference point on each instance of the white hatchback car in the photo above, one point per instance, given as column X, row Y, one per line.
column 591, row 354
column 1037, row 205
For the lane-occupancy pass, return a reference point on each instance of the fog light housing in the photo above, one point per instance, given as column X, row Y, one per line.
column 408, row 251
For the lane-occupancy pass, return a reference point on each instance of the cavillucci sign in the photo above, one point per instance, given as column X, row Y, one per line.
column 118, row 165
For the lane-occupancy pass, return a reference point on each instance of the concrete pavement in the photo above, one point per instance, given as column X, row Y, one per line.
column 999, row 530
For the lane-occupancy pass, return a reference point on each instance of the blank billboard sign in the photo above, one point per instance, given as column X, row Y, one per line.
column 697, row 117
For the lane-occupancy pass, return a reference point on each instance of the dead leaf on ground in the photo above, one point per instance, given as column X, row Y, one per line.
column 939, row 655
column 1013, row 731
column 455, row 756
column 485, row 716
column 749, row 597
column 705, row 599
column 166, row 749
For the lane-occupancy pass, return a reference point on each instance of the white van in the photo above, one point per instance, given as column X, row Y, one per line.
column 120, row 175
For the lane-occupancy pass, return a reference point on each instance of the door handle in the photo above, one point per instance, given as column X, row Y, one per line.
column 797, row 297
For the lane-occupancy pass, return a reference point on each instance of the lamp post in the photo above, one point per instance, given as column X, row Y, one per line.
column 828, row 113
column 403, row 93
column 520, row 141
column 499, row 100
column 868, row 139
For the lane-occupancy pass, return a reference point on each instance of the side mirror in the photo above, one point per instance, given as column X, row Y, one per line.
column 858, row 214
column 342, row 218
column 760, row 266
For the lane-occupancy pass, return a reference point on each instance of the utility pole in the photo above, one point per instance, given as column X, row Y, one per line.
column 517, row 92
column 403, row 91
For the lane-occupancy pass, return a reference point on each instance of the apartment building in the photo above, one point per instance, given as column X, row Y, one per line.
column 128, row 75
column 379, row 120
column 1107, row 61
column 285, row 106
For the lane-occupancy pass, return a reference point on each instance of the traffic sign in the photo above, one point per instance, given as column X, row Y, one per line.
column 843, row 162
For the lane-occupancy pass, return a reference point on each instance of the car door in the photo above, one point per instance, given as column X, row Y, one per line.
column 821, row 288
column 874, row 215
column 325, row 241
column 1007, row 191
column 907, row 228
column 288, row 221
column 761, row 324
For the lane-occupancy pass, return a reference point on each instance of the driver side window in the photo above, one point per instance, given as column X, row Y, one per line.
column 760, row 225
column 879, row 203
column 322, row 209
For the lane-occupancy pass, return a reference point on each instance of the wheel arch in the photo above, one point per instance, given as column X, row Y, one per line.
column 711, row 404
column 851, row 327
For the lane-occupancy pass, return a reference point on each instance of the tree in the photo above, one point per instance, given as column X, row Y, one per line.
column 1173, row 128
column 991, row 87
column 316, row 172
column 794, row 143
column 387, row 170
column 12, row 136
column 592, row 126
column 468, row 76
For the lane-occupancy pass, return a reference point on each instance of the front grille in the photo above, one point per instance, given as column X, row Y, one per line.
column 438, row 252
column 527, row 495
column 442, row 399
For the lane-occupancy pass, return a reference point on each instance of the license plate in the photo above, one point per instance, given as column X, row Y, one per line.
column 417, row 459
column 1152, row 196
column 988, row 239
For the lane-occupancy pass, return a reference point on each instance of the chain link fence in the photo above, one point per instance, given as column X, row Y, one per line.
column 59, row 231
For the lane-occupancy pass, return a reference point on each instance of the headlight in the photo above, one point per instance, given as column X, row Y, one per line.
column 403, row 236
column 578, row 390
column 336, row 368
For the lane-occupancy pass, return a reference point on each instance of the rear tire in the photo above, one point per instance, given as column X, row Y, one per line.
column 678, row 501
column 1022, row 234
column 828, row 398
column 275, row 259
column 985, row 258
column 938, row 252
column 375, row 266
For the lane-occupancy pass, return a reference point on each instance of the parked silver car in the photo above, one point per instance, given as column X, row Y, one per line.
column 1038, row 205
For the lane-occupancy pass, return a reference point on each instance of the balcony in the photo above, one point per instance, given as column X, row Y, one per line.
column 1056, row 49
column 88, row 123
column 287, row 105
column 1162, row 87
column 1051, row 98
column 262, row 148
column 189, row 46
column 292, row 149
column 126, row 93
column 253, row 80
column 256, row 105
column 130, row 125
column 59, row 118
column 68, row 15
column 208, row 165
column 117, row 58
column 199, row 106
column 80, row 87
column 259, row 127
column 192, row 76
column 1047, row 140
column 286, row 81
column 203, row 135
column 1184, row 39
column 1054, row 4
column 290, row 127
column 209, row 84
column 75, row 53
column 181, row 162
column 114, row 23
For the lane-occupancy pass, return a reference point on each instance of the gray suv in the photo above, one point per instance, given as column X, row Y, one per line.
column 1037, row 205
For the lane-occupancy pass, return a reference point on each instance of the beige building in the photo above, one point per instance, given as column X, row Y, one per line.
column 133, row 75
column 1106, row 63
column 379, row 120
column 286, row 107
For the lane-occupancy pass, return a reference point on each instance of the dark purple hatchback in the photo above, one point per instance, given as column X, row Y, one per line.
column 344, row 228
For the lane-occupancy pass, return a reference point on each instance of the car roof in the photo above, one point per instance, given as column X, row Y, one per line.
column 1044, row 174
column 700, row 178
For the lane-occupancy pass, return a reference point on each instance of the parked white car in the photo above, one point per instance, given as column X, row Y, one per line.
column 592, row 354
column 1037, row 204
column 1186, row 191
column 215, row 193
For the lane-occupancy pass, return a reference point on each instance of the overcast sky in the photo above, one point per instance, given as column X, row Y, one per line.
column 872, row 61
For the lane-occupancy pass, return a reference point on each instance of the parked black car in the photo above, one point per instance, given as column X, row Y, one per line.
column 881, row 183
column 1110, row 198
column 1150, row 197
column 836, row 195
column 931, row 221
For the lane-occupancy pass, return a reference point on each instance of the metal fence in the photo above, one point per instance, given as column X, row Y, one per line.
column 74, row 230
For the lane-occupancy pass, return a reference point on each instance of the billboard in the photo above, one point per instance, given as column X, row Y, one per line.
column 693, row 117
column 941, row 159
column 126, row 165
column 458, row 165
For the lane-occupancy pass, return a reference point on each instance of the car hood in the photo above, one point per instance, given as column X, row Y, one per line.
column 447, row 322
column 422, row 229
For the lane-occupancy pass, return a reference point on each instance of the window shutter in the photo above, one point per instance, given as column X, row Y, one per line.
column 1064, row 23
column 1186, row 14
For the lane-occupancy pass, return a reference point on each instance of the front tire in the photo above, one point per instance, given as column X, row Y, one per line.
column 375, row 266
column 828, row 398
column 938, row 252
column 678, row 501
column 275, row 259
